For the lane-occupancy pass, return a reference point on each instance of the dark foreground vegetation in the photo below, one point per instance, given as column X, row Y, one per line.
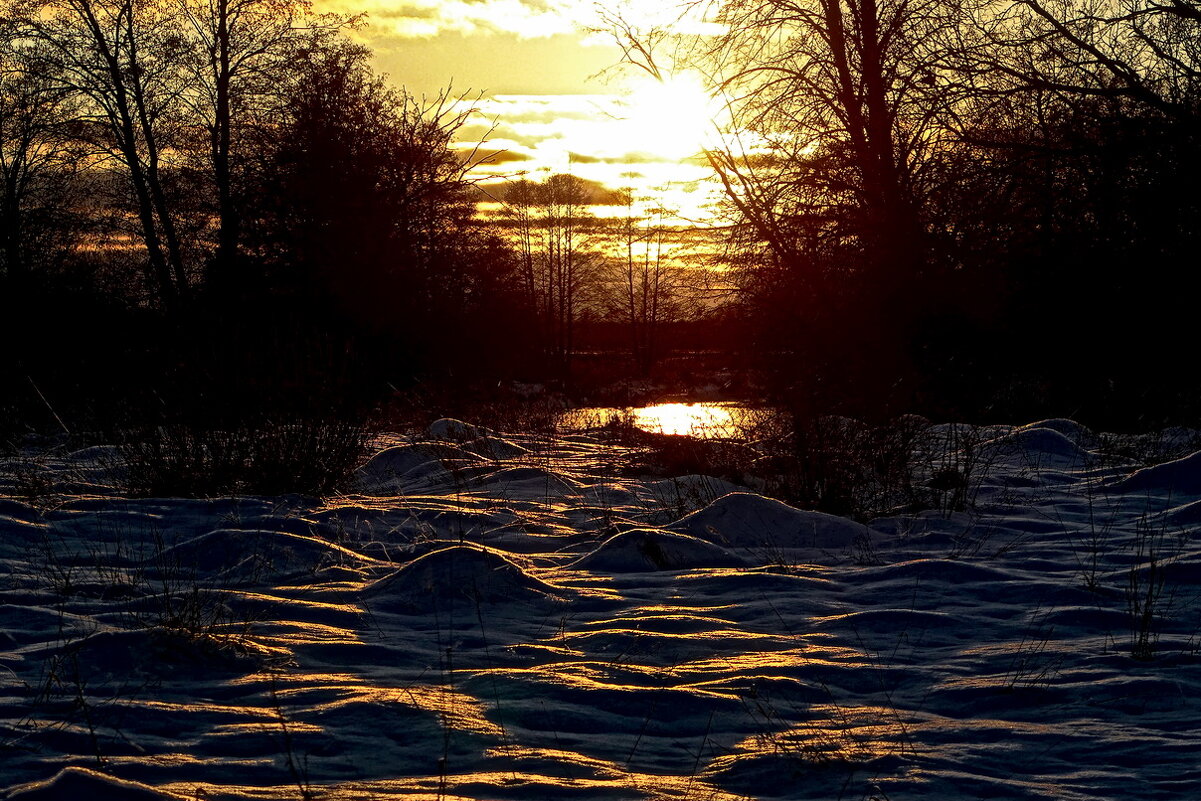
column 217, row 217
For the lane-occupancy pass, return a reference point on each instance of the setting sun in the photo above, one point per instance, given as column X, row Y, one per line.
column 673, row 118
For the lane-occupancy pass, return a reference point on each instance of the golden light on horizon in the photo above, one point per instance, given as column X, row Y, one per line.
column 644, row 136
column 644, row 124
column 534, row 74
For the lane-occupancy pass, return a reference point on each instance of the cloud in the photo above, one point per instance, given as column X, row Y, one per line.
column 545, row 108
column 526, row 18
column 493, row 157
column 419, row 19
column 580, row 134
column 623, row 158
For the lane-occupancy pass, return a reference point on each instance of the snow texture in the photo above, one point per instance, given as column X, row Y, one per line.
column 492, row 616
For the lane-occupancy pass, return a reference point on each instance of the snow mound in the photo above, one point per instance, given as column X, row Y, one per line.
column 1077, row 433
column 946, row 571
column 746, row 520
column 291, row 524
column 392, row 463
column 495, row 448
column 1037, row 445
column 530, row 482
column 21, row 528
column 462, row 572
column 27, row 621
column 608, row 495
column 257, row 555
column 97, row 454
column 989, row 652
column 1179, row 477
column 1187, row 515
column 80, row 783
column 13, row 511
column 643, row 550
column 162, row 652
column 448, row 428
column 690, row 491
column 893, row 620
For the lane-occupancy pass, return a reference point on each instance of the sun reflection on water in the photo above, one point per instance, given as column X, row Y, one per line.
column 714, row 420
column 696, row 419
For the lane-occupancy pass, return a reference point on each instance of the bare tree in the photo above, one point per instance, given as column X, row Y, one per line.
column 238, row 52
column 834, row 108
column 361, row 188
column 521, row 202
column 1144, row 51
column 122, row 61
column 553, row 229
column 148, row 76
column 835, row 141
column 565, row 260
column 39, row 161
column 650, row 287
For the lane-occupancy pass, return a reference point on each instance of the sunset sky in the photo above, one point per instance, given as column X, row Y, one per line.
column 550, row 93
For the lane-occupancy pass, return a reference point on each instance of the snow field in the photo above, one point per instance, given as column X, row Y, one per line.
column 493, row 616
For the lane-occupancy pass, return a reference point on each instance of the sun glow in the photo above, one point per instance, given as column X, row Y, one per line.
column 673, row 118
column 646, row 137
column 649, row 122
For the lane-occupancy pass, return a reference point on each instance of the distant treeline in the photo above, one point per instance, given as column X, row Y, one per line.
column 217, row 210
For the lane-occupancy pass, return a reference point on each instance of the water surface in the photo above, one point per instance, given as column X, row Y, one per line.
column 709, row 420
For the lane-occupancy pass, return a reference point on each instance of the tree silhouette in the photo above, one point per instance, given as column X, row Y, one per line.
column 121, row 60
column 39, row 165
column 238, row 52
column 650, row 289
column 832, row 152
column 553, row 227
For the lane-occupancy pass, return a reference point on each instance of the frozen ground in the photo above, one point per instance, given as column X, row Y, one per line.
column 504, row 618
